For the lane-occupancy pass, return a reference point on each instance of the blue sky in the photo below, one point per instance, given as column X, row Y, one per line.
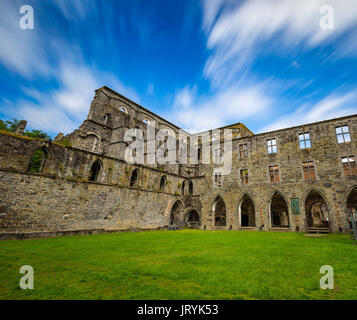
column 200, row 64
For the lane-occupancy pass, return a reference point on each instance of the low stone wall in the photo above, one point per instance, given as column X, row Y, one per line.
column 37, row 203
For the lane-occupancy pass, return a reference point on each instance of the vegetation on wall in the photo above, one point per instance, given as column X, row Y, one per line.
column 10, row 126
column 36, row 161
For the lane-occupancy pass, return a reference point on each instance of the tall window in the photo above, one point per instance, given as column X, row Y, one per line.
column 349, row 166
column 272, row 146
column 162, row 183
column 243, row 151
column 274, row 174
column 309, row 170
column 304, row 140
column 244, row 178
column 343, row 134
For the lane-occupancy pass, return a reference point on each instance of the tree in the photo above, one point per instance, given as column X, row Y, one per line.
column 10, row 125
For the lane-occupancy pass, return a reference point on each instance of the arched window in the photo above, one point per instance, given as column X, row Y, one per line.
column 146, row 121
column 123, row 109
column 94, row 171
column 162, row 183
column 134, row 178
column 38, row 160
column 190, row 187
column 183, row 188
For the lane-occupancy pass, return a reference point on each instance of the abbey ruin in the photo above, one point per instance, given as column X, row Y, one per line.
column 300, row 179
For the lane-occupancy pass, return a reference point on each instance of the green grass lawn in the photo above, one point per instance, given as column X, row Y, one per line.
column 187, row 264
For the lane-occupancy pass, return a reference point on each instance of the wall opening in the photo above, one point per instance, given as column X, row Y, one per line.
column 94, row 171
column 352, row 204
column 183, row 188
column 193, row 219
column 162, row 183
column 38, row 160
column 219, row 209
column 279, row 211
column 134, row 178
column 190, row 187
column 316, row 210
column 247, row 212
column 176, row 214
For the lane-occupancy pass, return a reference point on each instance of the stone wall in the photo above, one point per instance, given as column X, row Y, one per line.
column 68, row 193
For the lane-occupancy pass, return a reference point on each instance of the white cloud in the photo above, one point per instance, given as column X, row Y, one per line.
column 239, row 34
column 333, row 106
column 65, row 108
column 20, row 50
column 196, row 113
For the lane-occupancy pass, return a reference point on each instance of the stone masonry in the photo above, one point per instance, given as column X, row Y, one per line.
column 297, row 179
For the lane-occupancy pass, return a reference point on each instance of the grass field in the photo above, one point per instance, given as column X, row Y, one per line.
column 187, row 264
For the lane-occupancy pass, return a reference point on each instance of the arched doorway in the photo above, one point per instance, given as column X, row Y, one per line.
column 134, row 178
column 247, row 212
column 193, row 219
column 279, row 211
column 176, row 214
column 219, row 209
column 94, row 171
column 352, row 205
column 316, row 210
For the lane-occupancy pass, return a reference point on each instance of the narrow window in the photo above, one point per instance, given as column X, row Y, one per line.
column 162, row 183
column 343, row 134
column 183, row 188
column 272, row 146
column 349, row 166
column 190, row 188
column 134, row 178
column 304, row 140
column 274, row 174
column 243, row 151
column 218, row 180
column 309, row 170
column 244, row 178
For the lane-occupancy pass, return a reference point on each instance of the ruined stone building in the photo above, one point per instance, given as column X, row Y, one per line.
column 297, row 179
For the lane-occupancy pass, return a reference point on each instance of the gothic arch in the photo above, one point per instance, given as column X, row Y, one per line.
column 317, row 209
column 350, row 203
column 176, row 213
column 219, row 210
column 279, row 210
column 246, row 211
column 193, row 218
